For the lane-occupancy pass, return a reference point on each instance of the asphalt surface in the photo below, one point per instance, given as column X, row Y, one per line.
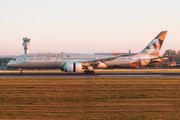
column 97, row 75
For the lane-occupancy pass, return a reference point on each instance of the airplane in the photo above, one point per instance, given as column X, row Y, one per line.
column 77, row 62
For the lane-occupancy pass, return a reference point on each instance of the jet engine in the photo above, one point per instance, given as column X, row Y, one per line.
column 72, row 67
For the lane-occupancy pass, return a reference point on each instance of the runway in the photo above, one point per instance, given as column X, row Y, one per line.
column 97, row 75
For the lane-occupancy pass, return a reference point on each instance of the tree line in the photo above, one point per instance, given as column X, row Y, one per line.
column 172, row 55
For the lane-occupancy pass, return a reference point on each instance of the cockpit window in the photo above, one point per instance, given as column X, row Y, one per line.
column 14, row 58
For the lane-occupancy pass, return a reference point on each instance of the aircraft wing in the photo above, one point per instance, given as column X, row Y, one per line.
column 106, row 58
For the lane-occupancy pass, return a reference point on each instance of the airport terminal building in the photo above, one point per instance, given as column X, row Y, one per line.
column 3, row 62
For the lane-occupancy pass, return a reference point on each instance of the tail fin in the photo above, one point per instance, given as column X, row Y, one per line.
column 155, row 45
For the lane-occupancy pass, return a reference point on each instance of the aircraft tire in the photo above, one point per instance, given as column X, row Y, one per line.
column 86, row 72
column 89, row 72
column 92, row 72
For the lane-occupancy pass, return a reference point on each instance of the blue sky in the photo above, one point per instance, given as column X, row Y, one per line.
column 87, row 26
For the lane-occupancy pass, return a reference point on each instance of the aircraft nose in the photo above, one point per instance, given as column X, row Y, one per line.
column 9, row 64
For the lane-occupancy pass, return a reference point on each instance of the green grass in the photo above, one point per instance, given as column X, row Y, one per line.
column 98, row 98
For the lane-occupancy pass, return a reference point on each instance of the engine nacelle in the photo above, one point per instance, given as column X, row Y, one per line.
column 101, row 65
column 72, row 67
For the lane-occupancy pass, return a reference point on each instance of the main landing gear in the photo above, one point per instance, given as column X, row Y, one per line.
column 89, row 72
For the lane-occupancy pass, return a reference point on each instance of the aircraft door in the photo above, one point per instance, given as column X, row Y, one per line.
column 55, row 60
column 23, row 60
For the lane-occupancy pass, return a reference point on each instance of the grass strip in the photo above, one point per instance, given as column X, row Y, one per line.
column 84, row 98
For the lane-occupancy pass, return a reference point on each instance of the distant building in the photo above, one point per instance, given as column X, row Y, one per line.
column 3, row 62
column 178, row 63
column 172, row 63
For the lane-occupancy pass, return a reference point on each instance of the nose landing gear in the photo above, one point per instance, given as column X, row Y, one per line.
column 21, row 72
column 89, row 72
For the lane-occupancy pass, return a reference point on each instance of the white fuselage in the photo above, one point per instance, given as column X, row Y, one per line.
column 57, row 60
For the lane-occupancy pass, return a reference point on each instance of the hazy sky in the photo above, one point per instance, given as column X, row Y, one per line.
column 87, row 26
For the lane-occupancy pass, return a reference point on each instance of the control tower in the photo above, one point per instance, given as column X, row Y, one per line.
column 26, row 44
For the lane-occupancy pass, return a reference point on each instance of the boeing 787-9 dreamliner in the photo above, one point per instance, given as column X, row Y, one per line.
column 76, row 62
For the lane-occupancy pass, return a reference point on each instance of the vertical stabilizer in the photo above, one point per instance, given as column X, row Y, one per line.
column 154, row 47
